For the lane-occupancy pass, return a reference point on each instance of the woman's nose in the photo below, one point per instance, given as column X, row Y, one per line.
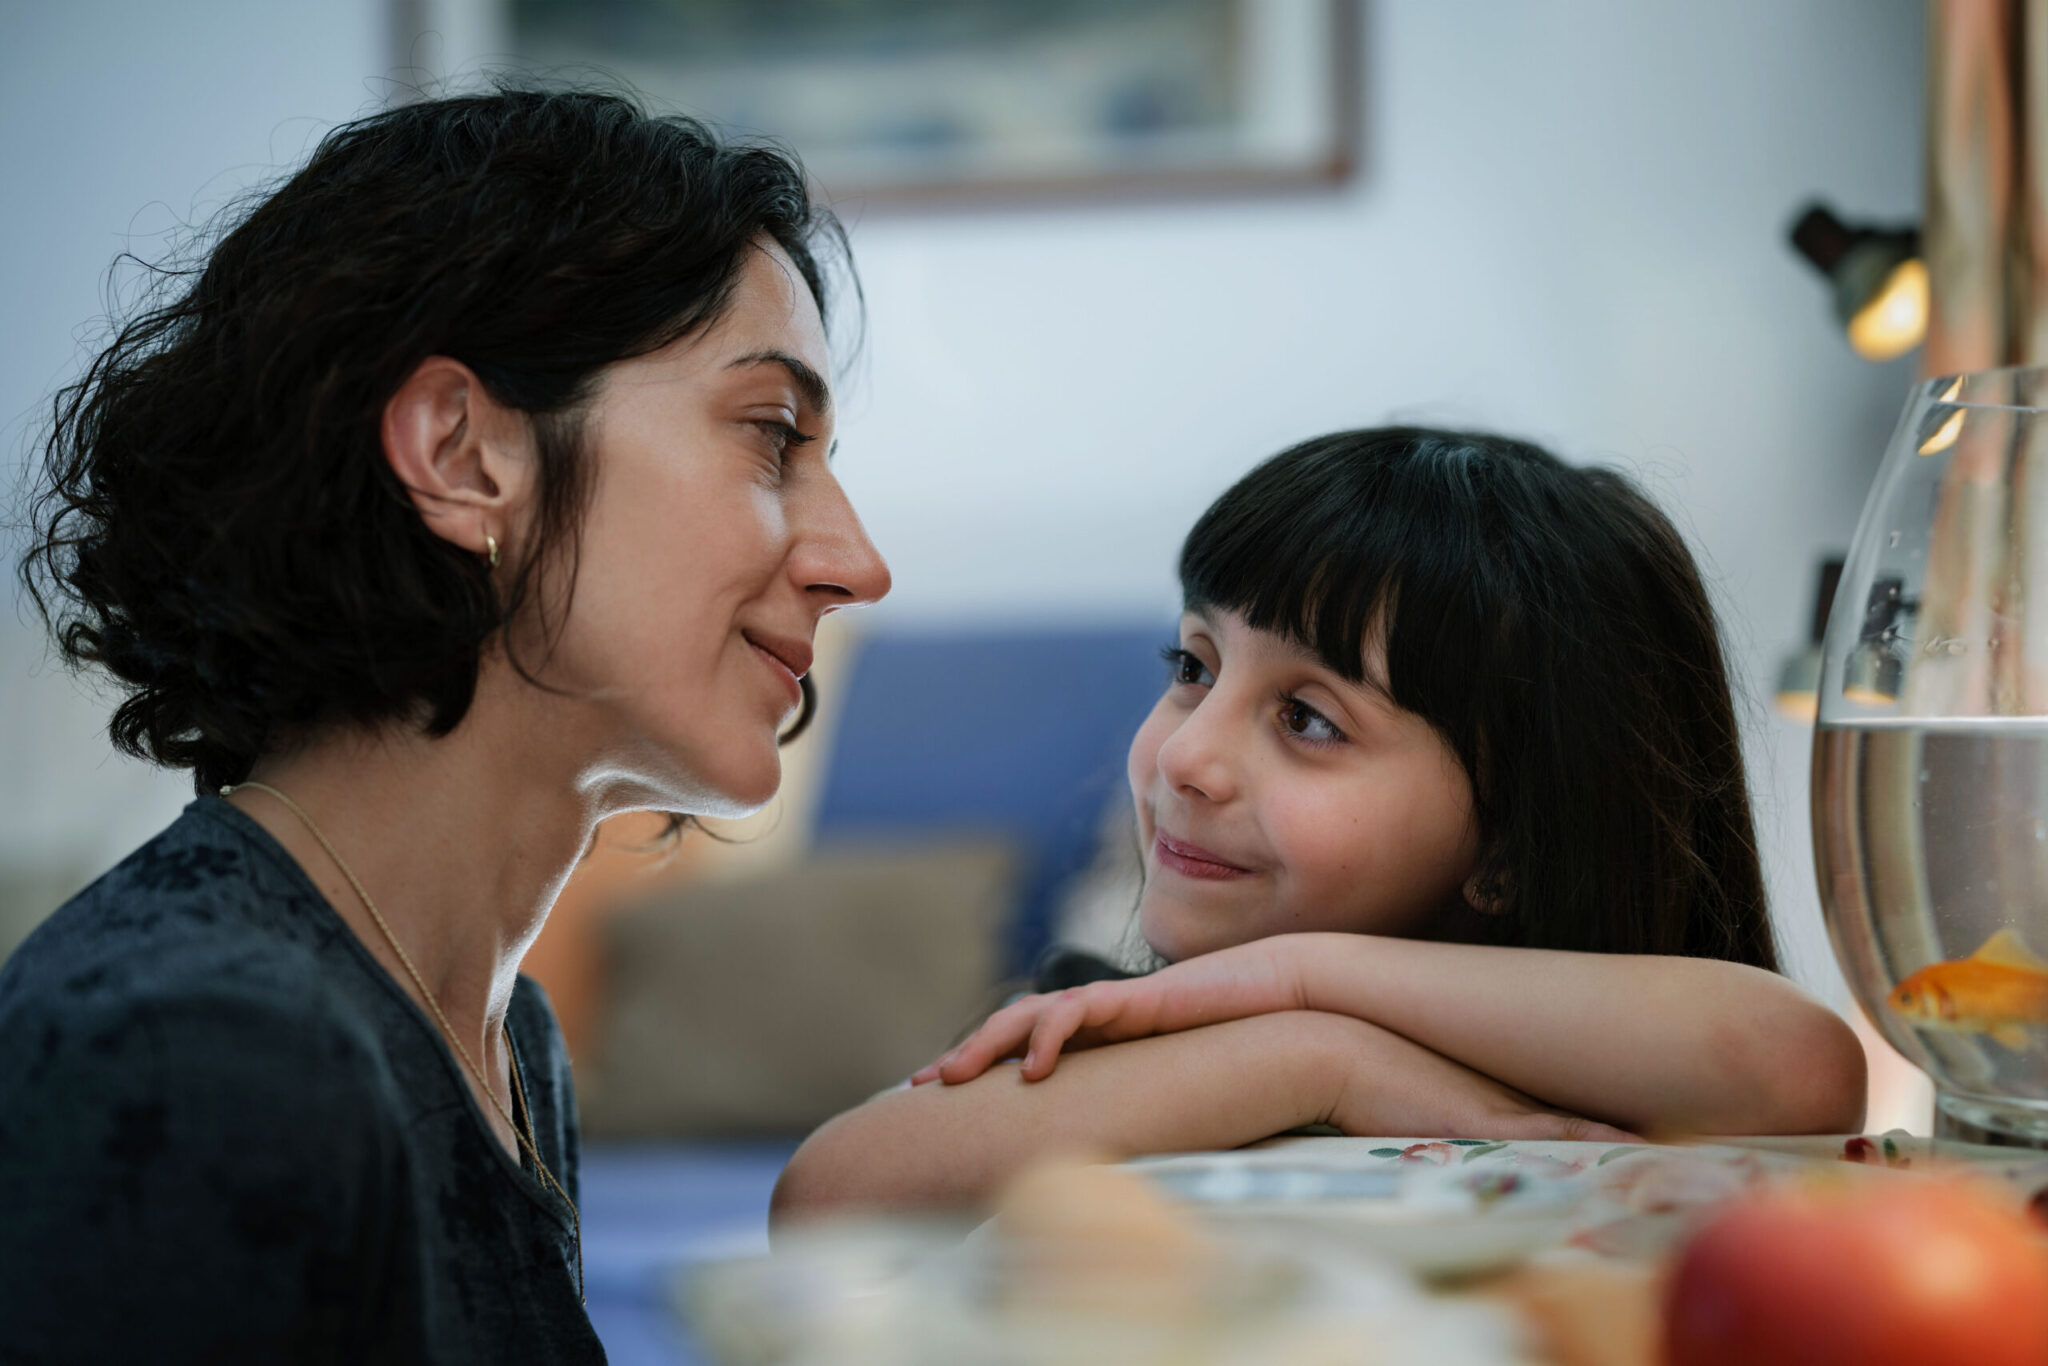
column 1196, row 759
column 835, row 563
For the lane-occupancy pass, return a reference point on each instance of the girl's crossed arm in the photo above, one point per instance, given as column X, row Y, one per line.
column 1221, row 1086
column 1657, row 1044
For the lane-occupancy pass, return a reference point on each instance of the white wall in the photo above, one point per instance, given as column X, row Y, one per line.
column 119, row 121
column 1570, row 225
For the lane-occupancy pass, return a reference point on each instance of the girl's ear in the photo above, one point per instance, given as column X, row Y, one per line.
column 465, row 458
column 1489, row 893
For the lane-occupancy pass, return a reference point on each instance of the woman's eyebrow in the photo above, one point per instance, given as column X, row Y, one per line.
column 810, row 385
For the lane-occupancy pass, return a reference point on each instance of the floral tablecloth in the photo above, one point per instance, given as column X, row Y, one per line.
column 1453, row 1206
column 1296, row 1252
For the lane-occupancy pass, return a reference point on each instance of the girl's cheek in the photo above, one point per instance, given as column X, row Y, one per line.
column 1441, row 823
column 1323, row 840
column 1354, row 863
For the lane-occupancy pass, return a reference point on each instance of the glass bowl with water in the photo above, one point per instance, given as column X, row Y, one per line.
column 1930, row 766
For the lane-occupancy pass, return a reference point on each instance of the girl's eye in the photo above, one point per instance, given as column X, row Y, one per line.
column 1188, row 669
column 1304, row 722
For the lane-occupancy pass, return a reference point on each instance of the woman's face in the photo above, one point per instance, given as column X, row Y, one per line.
column 1273, row 796
column 716, row 538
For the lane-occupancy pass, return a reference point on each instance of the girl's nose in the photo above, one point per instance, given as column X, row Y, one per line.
column 1198, row 759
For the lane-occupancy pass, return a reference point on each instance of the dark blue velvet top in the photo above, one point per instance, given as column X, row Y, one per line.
column 226, row 1135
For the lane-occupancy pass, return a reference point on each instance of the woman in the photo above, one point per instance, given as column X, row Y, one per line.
column 475, row 489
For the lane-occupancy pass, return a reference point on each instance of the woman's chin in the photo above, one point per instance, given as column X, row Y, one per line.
column 729, row 791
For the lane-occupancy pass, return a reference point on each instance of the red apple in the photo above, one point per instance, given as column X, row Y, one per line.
column 1906, row 1272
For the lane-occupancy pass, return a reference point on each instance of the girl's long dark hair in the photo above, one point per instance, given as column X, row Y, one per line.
column 1549, row 622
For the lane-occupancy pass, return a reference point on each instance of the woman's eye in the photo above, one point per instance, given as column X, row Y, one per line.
column 1299, row 719
column 1187, row 667
column 782, row 437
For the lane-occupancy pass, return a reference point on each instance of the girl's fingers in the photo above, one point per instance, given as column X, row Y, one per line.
column 931, row 1070
column 968, row 1061
column 1579, row 1129
column 1056, row 1024
column 1573, row 1129
column 1004, row 1033
column 1607, row 1133
column 1039, row 1027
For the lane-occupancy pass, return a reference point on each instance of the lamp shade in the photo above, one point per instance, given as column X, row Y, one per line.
column 1877, row 277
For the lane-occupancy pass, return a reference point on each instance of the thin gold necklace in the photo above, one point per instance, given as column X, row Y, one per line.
column 525, row 1137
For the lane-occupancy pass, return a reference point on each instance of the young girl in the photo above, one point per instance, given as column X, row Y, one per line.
column 1445, row 833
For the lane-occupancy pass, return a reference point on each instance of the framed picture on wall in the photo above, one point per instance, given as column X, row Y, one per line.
column 919, row 101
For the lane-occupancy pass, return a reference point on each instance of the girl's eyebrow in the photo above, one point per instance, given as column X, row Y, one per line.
column 1369, row 689
column 1368, row 682
column 1376, row 688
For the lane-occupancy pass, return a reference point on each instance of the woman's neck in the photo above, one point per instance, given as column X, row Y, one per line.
column 462, row 842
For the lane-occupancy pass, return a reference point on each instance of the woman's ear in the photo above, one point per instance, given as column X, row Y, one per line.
column 465, row 458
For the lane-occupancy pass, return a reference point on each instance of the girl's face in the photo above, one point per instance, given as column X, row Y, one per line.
column 1273, row 796
column 717, row 535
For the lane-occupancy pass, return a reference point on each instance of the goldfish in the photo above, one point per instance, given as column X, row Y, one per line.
column 2000, row 990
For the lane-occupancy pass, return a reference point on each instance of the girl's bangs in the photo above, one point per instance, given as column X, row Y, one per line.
column 1323, row 549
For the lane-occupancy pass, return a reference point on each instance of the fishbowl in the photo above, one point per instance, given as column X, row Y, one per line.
column 1930, row 763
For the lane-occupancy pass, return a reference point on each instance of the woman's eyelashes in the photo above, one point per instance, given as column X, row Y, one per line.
column 1187, row 668
column 1304, row 723
column 783, row 437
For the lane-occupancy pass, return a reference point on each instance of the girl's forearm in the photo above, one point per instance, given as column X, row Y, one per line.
column 1216, row 1086
column 940, row 1146
column 1657, row 1045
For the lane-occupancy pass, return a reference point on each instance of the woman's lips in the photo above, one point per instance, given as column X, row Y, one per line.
column 782, row 661
column 1192, row 860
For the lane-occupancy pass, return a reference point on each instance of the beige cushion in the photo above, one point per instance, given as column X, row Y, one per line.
column 768, row 1005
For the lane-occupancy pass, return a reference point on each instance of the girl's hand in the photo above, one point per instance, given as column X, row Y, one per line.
column 1258, row 978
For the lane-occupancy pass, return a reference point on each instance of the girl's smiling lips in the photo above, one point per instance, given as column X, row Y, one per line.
column 1192, row 860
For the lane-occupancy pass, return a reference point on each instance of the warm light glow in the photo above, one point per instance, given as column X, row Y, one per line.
column 1954, row 391
column 1798, row 695
column 1799, row 706
column 1944, row 435
column 1895, row 319
column 1868, row 697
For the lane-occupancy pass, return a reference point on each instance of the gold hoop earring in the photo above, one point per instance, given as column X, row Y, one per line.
column 491, row 548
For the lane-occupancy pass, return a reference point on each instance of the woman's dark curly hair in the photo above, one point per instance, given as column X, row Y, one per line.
column 1548, row 621
column 217, row 526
